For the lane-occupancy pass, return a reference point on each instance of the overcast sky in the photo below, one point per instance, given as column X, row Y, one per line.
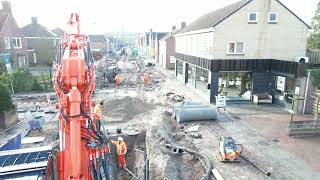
column 100, row 16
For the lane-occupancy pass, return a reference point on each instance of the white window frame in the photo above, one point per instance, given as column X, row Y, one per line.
column 17, row 47
column 269, row 15
column 253, row 21
column 235, row 48
column 22, row 63
column 7, row 43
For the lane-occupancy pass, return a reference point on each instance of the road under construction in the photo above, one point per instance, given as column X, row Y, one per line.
column 133, row 128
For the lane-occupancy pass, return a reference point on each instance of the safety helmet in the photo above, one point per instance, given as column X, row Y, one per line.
column 120, row 139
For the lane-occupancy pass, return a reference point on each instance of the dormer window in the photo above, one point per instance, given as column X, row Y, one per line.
column 273, row 17
column 253, row 17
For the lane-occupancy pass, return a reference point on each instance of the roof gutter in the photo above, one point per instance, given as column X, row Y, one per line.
column 200, row 31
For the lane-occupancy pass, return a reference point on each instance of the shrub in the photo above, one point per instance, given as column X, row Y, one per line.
column 22, row 81
column 5, row 98
column 36, row 86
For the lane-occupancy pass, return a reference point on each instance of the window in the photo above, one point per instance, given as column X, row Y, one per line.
column 17, row 43
column 273, row 17
column 7, row 42
column 235, row 48
column 22, row 60
column 253, row 17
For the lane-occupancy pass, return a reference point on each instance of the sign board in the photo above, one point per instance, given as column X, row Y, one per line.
column 281, row 82
column 221, row 101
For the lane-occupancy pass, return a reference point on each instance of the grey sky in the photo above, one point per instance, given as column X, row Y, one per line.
column 99, row 16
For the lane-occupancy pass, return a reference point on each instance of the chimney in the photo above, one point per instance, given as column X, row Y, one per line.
column 174, row 28
column 6, row 6
column 34, row 20
column 183, row 25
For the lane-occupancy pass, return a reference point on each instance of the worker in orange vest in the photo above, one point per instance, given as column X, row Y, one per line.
column 121, row 151
column 98, row 109
column 118, row 79
column 146, row 79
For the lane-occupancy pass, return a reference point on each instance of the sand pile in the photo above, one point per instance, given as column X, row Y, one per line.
column 126, row 108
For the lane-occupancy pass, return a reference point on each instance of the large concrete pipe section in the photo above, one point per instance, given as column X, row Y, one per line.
column 196, row 114
column 192, row 106
column 187, row 102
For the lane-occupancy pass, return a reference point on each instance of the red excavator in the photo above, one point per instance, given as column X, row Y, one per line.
column 83, row 151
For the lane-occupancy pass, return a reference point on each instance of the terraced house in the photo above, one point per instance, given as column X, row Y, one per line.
column 248, row 48
column 13, row 46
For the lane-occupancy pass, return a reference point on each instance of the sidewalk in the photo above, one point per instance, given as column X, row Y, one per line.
column 263, row 132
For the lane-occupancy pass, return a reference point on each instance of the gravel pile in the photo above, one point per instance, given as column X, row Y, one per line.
column 126, row 108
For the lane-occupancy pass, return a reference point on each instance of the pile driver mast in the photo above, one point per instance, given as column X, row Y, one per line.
column 83, row 149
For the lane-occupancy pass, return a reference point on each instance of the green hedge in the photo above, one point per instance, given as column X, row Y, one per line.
column 5, row 98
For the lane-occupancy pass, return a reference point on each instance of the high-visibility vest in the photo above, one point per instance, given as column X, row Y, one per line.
column 121, row 147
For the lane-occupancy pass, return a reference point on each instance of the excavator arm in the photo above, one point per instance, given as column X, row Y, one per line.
column 83, row 148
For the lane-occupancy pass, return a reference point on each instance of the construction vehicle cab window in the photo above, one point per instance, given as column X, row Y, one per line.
column 147, row 90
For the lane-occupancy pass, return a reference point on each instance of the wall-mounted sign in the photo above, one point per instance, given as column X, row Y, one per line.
column 281, row 82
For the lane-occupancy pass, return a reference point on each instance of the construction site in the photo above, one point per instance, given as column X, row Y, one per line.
column 168, row 105
column 160, row 147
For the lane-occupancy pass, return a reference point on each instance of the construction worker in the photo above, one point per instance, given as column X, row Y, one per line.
column 98, row 109
column 121, row 151
column 117, row 79
column 146, row 79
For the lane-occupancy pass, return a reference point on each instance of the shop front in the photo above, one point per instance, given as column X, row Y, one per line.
column 285, row 90
column 236, row 86
column 179, row 70
column 202, row 82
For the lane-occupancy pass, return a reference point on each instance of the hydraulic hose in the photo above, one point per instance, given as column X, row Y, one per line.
column 93, row 171
column 98, row 166
column 105, row 164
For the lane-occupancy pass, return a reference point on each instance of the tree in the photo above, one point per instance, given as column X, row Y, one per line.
column 314, row 38
column 4, row 80
column 3, row 67
column 5, row 98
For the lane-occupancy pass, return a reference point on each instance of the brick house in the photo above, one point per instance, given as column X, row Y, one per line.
column 98, row 46
column 167, row 48
column 243, row 49
column 41, row 42
column 12, row 43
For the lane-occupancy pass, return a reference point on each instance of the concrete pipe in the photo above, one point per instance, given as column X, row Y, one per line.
column 188, row 102
column 196, row 114
column 174, row 109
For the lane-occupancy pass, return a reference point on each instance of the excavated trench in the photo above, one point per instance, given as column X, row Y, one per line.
column 135, row 158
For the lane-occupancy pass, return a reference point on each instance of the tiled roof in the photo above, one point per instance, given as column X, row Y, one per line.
column 37, row 30
column 58, row 31
column 3, row 18
column 170, row 34
column 215, row 17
